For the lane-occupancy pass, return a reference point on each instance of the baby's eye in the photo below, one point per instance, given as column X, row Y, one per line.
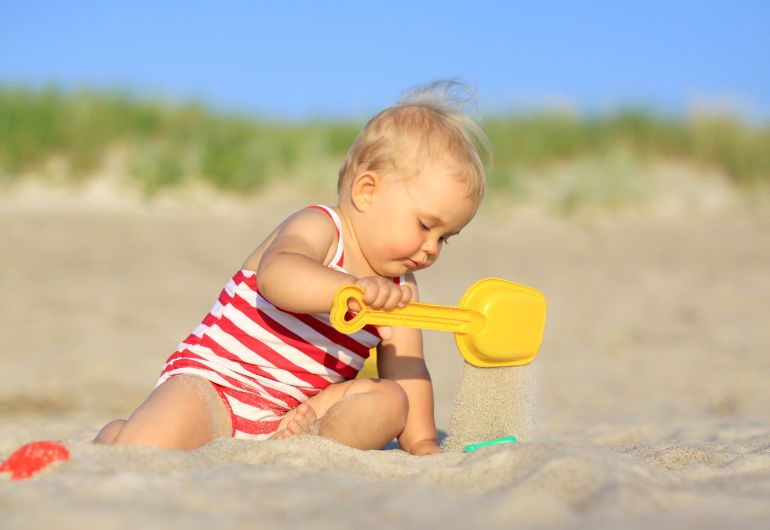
column 443, row 240
column 423, row 226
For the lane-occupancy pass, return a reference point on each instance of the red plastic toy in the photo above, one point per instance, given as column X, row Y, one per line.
column 31, row 458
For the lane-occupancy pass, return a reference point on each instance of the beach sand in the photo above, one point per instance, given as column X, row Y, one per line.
column 647, row 406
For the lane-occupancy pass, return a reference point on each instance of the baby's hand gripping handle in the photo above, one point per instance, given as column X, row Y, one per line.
column 414, row 315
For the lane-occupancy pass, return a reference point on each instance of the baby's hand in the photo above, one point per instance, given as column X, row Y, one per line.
column 382, row 293
column 425, row 447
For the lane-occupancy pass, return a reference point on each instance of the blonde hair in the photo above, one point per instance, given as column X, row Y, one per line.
column 426, row 123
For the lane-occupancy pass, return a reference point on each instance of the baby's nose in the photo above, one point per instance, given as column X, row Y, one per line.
column 430, row 247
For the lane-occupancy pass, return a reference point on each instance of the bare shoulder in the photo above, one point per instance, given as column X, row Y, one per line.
column 310, row 223
column 309, row 231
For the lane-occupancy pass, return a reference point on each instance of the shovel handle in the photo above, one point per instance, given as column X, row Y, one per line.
column 413, row 315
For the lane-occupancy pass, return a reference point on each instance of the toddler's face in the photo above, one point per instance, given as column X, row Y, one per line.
column 414, row 218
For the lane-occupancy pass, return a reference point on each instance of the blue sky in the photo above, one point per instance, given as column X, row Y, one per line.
column 350, row 58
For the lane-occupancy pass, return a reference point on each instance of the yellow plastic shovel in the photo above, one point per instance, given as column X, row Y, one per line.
column 498, row 323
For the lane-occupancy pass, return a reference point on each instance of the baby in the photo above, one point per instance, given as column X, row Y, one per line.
column 265, row 363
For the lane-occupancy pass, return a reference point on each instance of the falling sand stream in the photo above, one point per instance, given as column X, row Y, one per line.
column 493, row 403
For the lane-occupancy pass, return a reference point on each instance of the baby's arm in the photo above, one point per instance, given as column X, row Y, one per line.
column 400, row 358
column 292, row 272
column 293, row 275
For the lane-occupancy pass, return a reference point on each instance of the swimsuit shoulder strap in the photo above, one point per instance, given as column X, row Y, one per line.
column 339, row 255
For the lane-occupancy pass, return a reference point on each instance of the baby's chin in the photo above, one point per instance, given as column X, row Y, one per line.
column 393, row 269
column 399, row 269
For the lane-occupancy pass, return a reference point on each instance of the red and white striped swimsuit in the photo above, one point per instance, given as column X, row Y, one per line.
column 265, row 361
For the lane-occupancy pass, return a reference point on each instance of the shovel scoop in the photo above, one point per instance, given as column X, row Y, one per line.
column 497, row 323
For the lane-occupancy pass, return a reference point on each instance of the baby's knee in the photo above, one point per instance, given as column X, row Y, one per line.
column 117, row 433
column 394, row 398
column 110, row 432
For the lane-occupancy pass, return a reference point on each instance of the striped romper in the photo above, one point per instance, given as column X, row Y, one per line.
column 264, row 361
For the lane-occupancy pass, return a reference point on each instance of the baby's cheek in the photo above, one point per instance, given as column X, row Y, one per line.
column 405, row 244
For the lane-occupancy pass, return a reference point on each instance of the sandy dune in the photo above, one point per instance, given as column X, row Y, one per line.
column 653, row 407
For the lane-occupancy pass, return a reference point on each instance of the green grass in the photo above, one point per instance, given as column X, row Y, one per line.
column 719, row 142
column 168, row 145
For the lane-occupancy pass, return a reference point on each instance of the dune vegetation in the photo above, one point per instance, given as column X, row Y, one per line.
column 66, row 136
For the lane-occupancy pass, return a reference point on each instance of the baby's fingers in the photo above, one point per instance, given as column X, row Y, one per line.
column 406, row 295
column 376, row 298
column 380, row 293
column 393, row 299
column 354, row 306
column 385, row 332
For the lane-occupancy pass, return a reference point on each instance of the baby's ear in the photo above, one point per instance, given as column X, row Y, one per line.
column 364, row 187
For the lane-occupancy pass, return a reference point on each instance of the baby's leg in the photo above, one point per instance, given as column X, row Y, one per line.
column 362, row 413
column 185, row 412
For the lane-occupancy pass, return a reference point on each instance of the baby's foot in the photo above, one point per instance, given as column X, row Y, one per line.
column 303, row 421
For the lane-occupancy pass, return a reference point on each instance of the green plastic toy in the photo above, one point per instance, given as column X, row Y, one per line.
column 473, row 447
